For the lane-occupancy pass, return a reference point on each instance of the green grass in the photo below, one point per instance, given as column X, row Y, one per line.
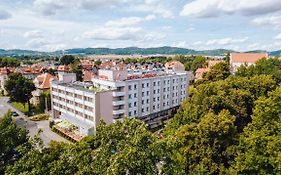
column 24, row 108
column 20, row 106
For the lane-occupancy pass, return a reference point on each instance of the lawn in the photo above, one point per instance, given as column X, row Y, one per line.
column 24, row 108
column 20, row 106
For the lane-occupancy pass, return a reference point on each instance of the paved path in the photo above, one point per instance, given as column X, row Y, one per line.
column 47, row 135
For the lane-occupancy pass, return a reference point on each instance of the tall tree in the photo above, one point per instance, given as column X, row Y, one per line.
column 77, row 69
column 11, row 136
column 67, row 59
column 19, row 88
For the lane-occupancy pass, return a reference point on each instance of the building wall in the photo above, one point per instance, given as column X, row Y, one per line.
column 152, row 95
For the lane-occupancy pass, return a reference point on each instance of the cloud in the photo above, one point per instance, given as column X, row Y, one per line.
column 129, row 21
column 271, row 21
column 51, row 7
column 278, row 37
column 156, row 7
column 225, row 41
column 214, row 8
column 113, row 33
column 4, row 14
column 33, row 34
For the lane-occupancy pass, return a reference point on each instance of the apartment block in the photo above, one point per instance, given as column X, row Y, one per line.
column 118, row 91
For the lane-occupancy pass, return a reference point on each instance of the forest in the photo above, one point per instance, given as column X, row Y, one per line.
column 229, row 124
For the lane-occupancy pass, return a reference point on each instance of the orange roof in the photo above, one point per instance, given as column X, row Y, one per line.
column 247, row 57
column 174, row 65
column 44, row 80
column 200, row 71
column 87, row 75
column 211, row 63
column 106, row 65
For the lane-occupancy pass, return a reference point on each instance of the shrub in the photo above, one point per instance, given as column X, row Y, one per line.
column 40, row 117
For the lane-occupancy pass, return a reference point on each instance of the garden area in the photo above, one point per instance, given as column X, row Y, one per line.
column 24, row 108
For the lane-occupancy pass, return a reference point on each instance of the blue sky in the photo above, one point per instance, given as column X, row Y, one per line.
column 49, row 25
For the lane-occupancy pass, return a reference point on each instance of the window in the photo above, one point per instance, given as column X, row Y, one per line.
column 130, row 105
column 154, row 91
column 135, row 95
column 142, row 102
column 142, row 93
column 130, row 114
column 164, row 104
column 135, row 86
column 154, row 99
column 147, row 101
column 130, row 87
column 158, row 83
column 154, row 83
column 135, row 104
column 142, row 85
column 164, row 96
column 168, row 81
column 158, row 98
column 130, row 96
column 135, row 112
column 142, row 110
column 158, row 90
column 147, row 93
column 147, row 84
column 164, row 82
column 147, row 109
column 153, row 107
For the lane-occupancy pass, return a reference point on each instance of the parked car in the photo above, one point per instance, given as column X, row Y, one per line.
column 15, row 114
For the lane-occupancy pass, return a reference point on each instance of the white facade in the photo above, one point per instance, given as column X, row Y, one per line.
column 144, row 95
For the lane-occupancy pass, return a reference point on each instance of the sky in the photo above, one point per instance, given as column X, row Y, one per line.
column 49, row 25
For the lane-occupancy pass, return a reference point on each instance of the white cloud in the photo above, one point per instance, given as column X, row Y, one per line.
column 4, row 14
column 278, row 37
column 271, row 21
column 129, row 21
column 113, row 33
column 33, row 34
column 213, row 8
column 225, row 41
column 51, row 7
column 156, row 7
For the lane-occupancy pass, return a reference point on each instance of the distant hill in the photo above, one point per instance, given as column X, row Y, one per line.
column 276, row 53
column 121, row 51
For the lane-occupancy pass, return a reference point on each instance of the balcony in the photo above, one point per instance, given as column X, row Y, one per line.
column 118, row 112
column 118, row 94
column 118, row 103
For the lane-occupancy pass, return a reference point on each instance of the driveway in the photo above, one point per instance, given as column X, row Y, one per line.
column 47, row 135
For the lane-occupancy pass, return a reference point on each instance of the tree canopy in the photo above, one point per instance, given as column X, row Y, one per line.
column 11, row 137
column 19, row 88
column 229, row 124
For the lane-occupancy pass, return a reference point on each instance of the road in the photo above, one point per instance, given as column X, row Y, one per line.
column 47, row 135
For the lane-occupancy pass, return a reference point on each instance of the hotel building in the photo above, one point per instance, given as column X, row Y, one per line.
column 149, row 95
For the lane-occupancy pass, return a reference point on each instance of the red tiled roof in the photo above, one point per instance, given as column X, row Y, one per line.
column 247, row 57
column 44, row 80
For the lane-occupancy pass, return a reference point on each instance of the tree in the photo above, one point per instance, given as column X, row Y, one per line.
column 264, row 66
column 218, row 72
column 77, row 69
column 67, row 60
column 203, row 147
column 259, row 148
column 198, row 62
column 19, row 88
column 121, row 148
column 98, row 62
column 11, row 137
